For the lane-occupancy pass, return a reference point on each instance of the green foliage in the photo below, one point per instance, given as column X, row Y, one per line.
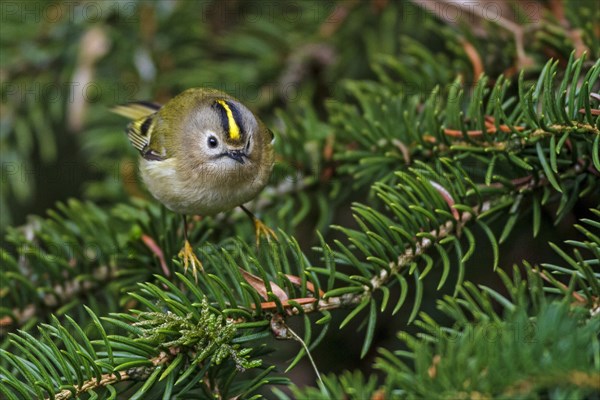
column 347, row 385
column 497, row 346
column 165, row 350
column 439, row 165
column 538, row 339
column 205, row 335
column 512, row 357
column 79, row 252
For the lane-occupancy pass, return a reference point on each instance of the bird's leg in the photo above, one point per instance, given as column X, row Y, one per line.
column 188, row 255
column 260, row 228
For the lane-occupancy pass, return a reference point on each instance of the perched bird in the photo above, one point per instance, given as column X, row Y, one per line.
column 203, row 152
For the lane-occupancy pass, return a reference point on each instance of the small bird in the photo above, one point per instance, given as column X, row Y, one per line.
column 202, row 153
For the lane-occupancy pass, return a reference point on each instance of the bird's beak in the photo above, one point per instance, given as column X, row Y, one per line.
column 237, row 155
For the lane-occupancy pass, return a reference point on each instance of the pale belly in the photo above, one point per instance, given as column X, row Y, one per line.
column 200, row 195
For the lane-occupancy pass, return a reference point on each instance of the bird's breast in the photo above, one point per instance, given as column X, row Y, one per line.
column 205, row 190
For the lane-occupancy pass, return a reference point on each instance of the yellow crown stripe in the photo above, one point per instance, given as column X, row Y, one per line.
column 234, row 129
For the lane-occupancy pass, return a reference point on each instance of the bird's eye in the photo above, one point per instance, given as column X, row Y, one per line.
column 212, row 142
column 248, row 145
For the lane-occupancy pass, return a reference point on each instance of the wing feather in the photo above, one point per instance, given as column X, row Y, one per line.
column 139, row 131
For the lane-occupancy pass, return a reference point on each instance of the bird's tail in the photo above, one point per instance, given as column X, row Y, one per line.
column 136, row 110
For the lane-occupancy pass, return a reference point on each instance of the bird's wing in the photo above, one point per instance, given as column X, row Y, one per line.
column 139, row 130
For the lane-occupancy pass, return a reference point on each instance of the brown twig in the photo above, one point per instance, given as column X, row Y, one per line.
column 577, row 378
column 475, row 59
column 490, row 128
column 109, row 379
column 593, row 111
column 578, row 298
column 105, row 380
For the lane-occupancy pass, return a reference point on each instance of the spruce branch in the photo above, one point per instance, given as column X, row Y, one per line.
column 57, row 296
column 395, row 267
column 423, row 245
column 438, row 163
column 162, row 346
column 89, row 385
column 76, row 252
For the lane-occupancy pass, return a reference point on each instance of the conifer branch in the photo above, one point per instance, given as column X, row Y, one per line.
column 133, row 374
column 59, row 295
column 444, row 140
column 450, row 227
column 403, row 260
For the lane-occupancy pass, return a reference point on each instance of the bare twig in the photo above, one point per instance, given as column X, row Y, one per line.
column 138, row 373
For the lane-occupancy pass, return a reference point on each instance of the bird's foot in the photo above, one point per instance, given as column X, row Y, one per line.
column 263, row 230
column 190, row 260
column 260, row 229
